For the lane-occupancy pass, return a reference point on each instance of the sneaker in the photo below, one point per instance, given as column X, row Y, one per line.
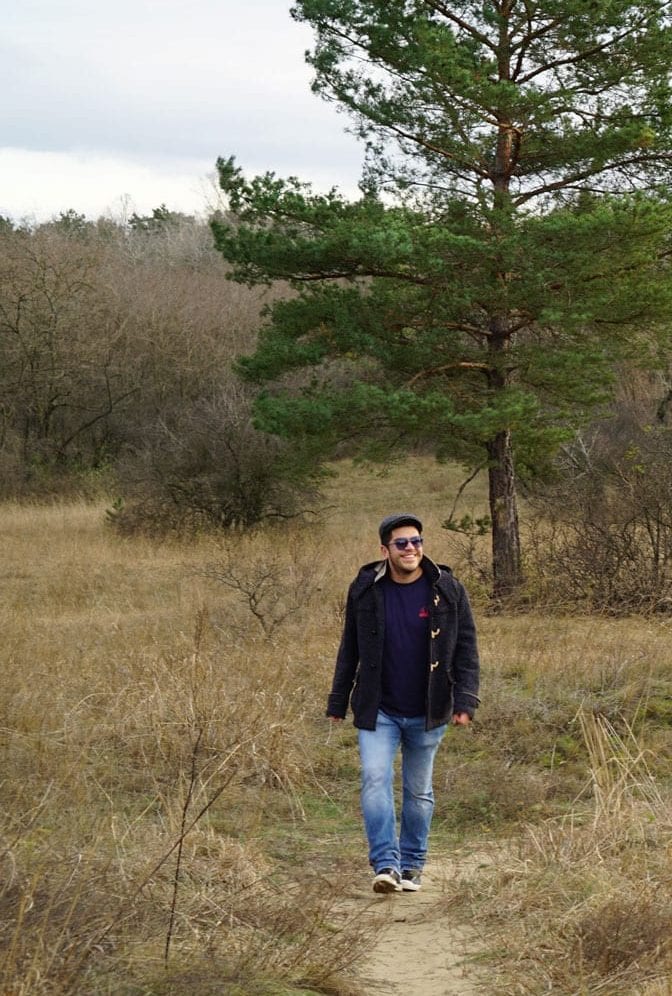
column 411, row 879
column 387, row 880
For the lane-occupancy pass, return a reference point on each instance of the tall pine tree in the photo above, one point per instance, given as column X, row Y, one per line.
column 508, row 248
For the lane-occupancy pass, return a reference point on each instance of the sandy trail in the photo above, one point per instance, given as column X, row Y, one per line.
column 421, row 950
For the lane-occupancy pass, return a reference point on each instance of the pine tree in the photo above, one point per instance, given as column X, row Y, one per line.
column 508, row 248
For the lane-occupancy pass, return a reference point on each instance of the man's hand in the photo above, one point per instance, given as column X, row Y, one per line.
column 335, row 719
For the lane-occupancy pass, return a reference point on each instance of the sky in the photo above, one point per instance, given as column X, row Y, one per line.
column 113, row 108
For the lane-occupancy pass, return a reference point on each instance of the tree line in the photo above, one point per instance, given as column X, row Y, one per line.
column 116, row 350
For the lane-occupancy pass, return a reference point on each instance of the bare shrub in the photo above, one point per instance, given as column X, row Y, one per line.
column 60, row 377
column 486, row 793
column 127, row 871
column 84, row 921
column 275, row 583
column 471, row 557
column 601, row 537
column 206, row 466
column 621, row 931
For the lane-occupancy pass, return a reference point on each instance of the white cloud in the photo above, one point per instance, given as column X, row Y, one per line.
column 37, row 186
column 139, row 98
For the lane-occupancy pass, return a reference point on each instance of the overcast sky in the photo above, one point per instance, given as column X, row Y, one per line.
column 119, row 107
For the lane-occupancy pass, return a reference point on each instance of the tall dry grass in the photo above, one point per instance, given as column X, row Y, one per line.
column 583, row 904
column 149, row 726
column 177, row 815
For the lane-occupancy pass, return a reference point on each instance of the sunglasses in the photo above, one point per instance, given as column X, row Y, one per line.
column 402, row 543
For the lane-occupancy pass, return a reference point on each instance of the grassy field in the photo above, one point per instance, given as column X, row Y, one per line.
column 178, row 817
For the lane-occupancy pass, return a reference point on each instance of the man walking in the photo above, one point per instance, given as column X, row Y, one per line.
column 408, row 665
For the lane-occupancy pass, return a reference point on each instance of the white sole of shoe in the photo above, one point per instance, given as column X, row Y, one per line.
column 385, row 883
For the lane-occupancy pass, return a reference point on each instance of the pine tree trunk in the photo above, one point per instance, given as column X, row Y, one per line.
column 506, row 566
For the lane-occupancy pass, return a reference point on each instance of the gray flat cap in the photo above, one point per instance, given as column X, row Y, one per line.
column 391, row 522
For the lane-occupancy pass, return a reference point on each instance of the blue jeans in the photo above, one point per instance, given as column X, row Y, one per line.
column 377, row 750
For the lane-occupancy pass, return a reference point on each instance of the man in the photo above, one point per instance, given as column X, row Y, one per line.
column 408, row 665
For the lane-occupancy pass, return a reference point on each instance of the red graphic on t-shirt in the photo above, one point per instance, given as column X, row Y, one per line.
column 423, row 613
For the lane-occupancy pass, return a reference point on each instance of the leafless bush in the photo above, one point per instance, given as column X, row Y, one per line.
column 621, row 931
column 274, row 585
column 60, row 378
column 82, row 921
column 471, row 556
column 149, row 887
column 479, row 792
column 209, row 467
column 602, row 536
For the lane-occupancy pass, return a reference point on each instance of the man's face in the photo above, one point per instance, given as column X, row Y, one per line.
column 405, row 562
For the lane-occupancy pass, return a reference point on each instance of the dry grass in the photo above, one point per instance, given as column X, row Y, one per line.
column 175, row 805
column 142, row 724
column 526, row 757
column 583, row 904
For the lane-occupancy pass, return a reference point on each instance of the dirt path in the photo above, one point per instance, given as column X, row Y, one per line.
column 421, row 950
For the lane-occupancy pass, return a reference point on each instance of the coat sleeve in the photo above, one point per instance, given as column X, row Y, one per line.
column 347, row 661
column 466, row 664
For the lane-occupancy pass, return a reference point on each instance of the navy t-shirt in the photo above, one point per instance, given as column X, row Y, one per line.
column 405, row 649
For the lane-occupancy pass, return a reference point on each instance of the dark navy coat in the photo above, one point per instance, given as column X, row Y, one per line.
column 452, row 651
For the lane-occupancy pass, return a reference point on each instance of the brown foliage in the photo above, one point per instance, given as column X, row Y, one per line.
column 113, row 340
column 601, row 536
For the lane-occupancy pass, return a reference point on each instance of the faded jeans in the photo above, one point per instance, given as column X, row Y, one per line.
column 377, row 750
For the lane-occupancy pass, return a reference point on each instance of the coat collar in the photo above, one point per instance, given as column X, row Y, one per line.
column 431, row 570
column 377, row 570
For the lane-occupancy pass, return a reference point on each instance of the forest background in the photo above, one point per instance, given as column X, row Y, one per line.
column 174, row 574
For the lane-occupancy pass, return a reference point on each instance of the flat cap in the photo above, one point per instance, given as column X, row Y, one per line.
column 391, row 522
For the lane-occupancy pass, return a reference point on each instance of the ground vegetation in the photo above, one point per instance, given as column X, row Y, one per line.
column 179, row 815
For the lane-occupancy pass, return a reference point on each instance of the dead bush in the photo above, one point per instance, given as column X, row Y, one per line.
column 206, row 467
column 486, row 793
column 601, row 536
column 275, row 581
column 85, row 920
